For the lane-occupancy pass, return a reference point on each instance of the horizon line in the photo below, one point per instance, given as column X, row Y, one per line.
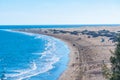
column 50, row 24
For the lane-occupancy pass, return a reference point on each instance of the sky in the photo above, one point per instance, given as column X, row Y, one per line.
column 46, row 12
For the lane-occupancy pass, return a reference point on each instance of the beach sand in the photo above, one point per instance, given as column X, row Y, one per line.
column 87, row 53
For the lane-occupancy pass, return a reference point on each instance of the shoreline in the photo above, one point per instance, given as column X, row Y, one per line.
column 74, row 66
column 86, row 53
column 70, row 57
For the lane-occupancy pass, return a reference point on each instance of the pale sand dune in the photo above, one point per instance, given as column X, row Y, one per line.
column 86, row 54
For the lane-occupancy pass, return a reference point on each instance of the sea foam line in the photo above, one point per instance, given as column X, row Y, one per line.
column 49, row 50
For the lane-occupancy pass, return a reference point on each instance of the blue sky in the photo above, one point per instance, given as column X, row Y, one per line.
column 37, row 12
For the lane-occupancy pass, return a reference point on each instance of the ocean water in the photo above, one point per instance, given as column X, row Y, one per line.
column 55, row 26
column 27, row 56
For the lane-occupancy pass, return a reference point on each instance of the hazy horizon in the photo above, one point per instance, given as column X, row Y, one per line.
column 63, row 12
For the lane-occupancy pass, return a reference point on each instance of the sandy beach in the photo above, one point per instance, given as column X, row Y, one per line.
column 89, row 47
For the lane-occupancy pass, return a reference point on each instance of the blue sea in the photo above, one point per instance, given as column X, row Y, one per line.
column 55, row 26
column 28, row 56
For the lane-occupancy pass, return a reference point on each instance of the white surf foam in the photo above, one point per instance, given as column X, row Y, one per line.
column 49, row 55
